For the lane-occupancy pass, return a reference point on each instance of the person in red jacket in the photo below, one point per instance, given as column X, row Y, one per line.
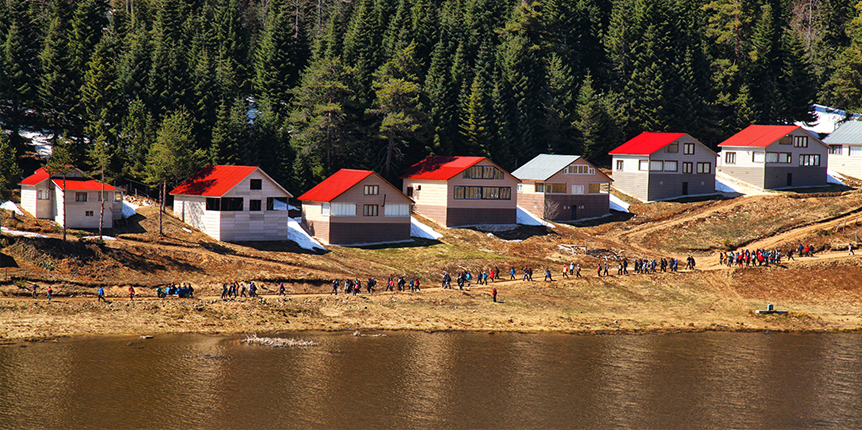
column 494, row 294
column 131, row 292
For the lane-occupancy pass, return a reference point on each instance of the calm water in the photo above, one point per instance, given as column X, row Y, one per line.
column 440, row 380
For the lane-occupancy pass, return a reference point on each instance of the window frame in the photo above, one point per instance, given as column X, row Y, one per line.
column 730, row 157
column 270, row 204
column 809, row 160
column 370, row 210
column 643, row 165
column 656, row 165
column 253, row 182
column 673, row 163
column 706, row 171
column 688, row 167
column 836, row 149
column 578, row 189
column 81, row 197
column 371, row 190
column 325, row 209
column 758, row 157
column 620, row 165
column 688, row 148
column 255, row 205
column 674, row 145
column 800, row 141
column 89, row 213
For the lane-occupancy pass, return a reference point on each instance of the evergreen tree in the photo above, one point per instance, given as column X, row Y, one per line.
column 10, row 173
column 135, row 63
column 20, row 80
column 475, row 127
column 58, row 92
column 59, row 163
column 168, row 79
column 594, row 124
column 172, row 156
column 136, row 133
column 560, row 108
column 99, row 96
column 279, row 59
column 232, row 73
column 844, row 87
column 397, row 105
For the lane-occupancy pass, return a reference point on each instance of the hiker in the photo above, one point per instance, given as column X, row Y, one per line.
column 281, row 288
column 34, row 290
column 401, row 283
column 548, row 275
column 417, row 285
column 493, row 274
column 494, row 294
column 101, row 296
column 578, row 270
column 50, row 290
column 370, row 285
column 606, row 268
column 334, row 288
column 625, row 266
column 131, row 293
column 850, row 249
column 512, row 273
column 565, row 271
column 191, row 291
column 571, row 268
column 530, row 274
column 599, row 270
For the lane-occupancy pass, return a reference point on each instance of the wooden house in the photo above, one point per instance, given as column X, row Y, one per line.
column 845, row 149
column 354, row 207
column 459, row 191
column 42, row 196
column 661, row 166
column 234, row 203
column 563, row 188
column 774, row 156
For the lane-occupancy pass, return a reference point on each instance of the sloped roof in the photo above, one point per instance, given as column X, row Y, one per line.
column 543, row 166
column 848, row 133
column 81, row 184
column 335, row 185
column 214, row 181
column 646, row 143
column 759, row 136
column 38, row 176
column 440, row 167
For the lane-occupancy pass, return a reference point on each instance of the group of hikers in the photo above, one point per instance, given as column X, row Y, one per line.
column 765, row 257
column 465, row 278
column 183, row 291
column 639, row 266
column 354, row 286
column 238, row 289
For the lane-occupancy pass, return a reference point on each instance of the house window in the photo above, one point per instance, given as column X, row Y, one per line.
column 276, row 203
column 540, row 187
column 232, row 204
column 324, row 209
column 409, row 191
column 785, row 157
column 855, row 151
column 43, row 194
column 483, row 172
column 620, row 165
column 784, row 140
column 771, row 157
column 672, row 148
column 729, row 158
column 372, row 190
column 344, row 209
column 118, row 196
column 396, row 210
column 688, row 148
column 835, row 149
column 256, row 184
column 687, row 167
column 758, row 157
column 80, row 197
column 520, row 188
column 579, row 169
column 643, row 165
column 213, row 204
column 555, row 188
column 254, row 205
column 88, row 213
column 369, row 210
column 577, row 189
column 107, row 196
column 670, row 166
column 467, row 192
column 809, row 160
column 800, row 141
column 704, row 167
column 485, row 193
column 656, row 166
column 599, row 188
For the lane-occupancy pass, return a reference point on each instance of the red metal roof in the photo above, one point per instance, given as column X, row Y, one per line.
column 646, row 143
column 37, row 177
column 213, row 181
column 759, row 136
column 81, row 184
column 440, row 167
column 335, row 185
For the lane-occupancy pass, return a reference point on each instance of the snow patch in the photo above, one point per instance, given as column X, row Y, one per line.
column 22, row 233
column 417, row 229
column 292, row 208
column 827, row 119
column 296, row 233
column 527, row 218
column 97, row 238
column 187, row 230
column 11, row 207
column 832, row 177
column 40, row 140
column 723, row 187
column 129, row 209
column 617, row 204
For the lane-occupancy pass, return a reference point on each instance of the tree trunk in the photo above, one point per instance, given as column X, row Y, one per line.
column 162, row 206
column 389, row 150
column 102, row 198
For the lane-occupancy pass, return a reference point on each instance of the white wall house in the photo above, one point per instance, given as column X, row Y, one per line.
column 661, row 166
column 845, row 149
column 563, row 188
column 42, row 196
column 234, row 203
column 774, row 156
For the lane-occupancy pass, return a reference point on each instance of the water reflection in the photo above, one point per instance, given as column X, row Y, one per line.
column 441, row 380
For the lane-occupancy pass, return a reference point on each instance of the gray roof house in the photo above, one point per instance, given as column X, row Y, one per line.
column 845, row 149
column 563, row 188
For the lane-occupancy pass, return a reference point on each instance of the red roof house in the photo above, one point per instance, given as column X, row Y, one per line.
column 775, row 156
column 42, row 195
column 354, row 207
column 661, row 166
column 234, row 203
column 457, row 191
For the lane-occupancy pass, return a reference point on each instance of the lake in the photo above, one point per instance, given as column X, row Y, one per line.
column 437, row 380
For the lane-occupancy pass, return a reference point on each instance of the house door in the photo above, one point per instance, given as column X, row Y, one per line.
column 685, row 188
column 574, row 211
column 789, row 179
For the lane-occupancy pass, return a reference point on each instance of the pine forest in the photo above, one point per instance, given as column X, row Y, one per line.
column 151, row 90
